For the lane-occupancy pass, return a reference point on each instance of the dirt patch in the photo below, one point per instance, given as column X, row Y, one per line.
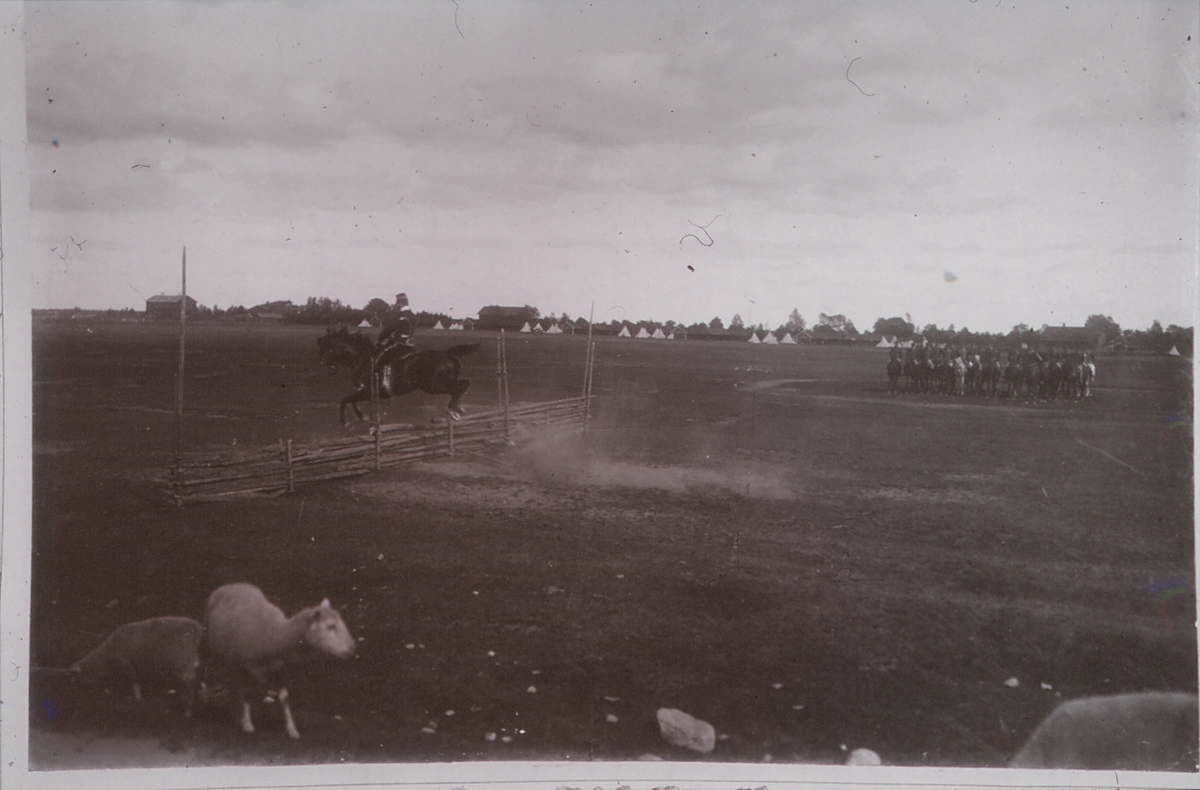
column 930, row 496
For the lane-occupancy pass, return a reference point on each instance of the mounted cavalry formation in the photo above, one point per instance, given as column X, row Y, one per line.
column 1029, row 373
column 398, row 367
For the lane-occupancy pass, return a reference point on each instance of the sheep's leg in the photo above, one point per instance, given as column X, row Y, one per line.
column 247, row 725
column 292, row 732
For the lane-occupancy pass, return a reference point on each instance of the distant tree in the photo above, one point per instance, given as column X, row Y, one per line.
column 532, row 313
column 795, row 323
column 736, row 322
column 1180, row 338
column 376, row 307
column 894, row 327
column 716, row 323
column 1103, row 323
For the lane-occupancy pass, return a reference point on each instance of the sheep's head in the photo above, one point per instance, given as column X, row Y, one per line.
column 327, row 632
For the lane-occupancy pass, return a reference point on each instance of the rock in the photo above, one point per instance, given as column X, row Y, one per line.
column 1012, row 683
column 863, row 757
column 680, row 729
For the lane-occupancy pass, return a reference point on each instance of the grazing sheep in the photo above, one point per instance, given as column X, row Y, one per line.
column 1147, row 731
column 161, row 647
column 251, row 637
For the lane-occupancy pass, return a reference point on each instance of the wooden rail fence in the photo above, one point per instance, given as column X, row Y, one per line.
column 280, row 469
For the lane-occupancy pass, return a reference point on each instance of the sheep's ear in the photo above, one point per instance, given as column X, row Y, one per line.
column 324, row 604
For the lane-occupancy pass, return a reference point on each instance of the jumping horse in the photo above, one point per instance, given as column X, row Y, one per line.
column 398, row 370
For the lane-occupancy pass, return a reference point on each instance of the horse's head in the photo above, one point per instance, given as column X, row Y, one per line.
column 337, row 349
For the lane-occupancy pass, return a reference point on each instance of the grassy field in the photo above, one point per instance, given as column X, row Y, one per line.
column 760, row 536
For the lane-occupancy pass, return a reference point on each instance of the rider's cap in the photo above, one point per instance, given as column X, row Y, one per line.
column 402, row 301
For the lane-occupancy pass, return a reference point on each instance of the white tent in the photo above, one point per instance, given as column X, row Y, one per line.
column 364, row 324
column 526, row 327
column 624, row 332
column 438, row 325
column 1174, row 352
column 904, row 344
column 885, row 342
column 788, row 340
column 754, row 337
column 642, row 333
column 658, row 334
column 538, row 327
column 456, row 326
column 554, row 329
column 771, row 340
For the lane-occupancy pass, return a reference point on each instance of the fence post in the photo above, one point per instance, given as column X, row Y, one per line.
column 504, row 381
column 450, row 427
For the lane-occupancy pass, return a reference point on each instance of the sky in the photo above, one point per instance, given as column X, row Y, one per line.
column 981, row 164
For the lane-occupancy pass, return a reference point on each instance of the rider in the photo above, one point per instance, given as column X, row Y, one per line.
column 398, row 327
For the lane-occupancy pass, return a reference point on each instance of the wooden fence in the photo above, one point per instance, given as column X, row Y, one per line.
column 280, row 469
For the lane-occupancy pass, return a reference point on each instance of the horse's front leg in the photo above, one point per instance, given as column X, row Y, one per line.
column 460, row 388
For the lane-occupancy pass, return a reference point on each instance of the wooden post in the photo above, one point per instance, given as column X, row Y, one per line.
column 587, row 373
column 450, row 429
column 375, row 416
column 182, row 350
column 504, row 380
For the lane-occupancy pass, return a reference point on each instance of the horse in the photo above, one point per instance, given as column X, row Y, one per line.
column 894, row 367
column 960, row 375
column 910, row 374
column 398, row 370
column 1087, row 374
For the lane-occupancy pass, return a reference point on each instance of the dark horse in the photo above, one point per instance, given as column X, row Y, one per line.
column 893, row 372
column 397, row 371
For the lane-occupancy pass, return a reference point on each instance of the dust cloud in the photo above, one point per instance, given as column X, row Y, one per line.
column 563, row 456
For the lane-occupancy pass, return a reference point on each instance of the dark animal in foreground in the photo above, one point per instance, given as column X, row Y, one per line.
column 162, row 648
column 250, row 638
column 1140, row 732
column 397, row 371
column 894, row 366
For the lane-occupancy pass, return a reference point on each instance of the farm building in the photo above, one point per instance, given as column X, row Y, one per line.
column 269, row 311
column 677, row 333
column 167, row 307
column 1074, row 337
column 496, row 317
column 828, row 335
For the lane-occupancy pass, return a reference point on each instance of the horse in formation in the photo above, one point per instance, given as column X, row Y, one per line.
column 398, row 370
column 1029, row 373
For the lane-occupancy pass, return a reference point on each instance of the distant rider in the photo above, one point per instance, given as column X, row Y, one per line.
column 398, row 327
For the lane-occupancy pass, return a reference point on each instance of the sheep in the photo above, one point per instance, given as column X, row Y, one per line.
column 250, row 636
column 161, row 647
column 1141, row 731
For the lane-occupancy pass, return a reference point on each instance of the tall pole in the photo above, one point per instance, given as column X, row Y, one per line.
column 182, row 350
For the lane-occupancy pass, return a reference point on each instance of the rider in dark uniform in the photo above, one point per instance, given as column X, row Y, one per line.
column 398, row 328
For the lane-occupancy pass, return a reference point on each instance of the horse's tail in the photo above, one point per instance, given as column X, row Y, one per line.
column 460, row 350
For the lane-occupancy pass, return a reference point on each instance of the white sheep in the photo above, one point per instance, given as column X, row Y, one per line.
column 1143, row 731
column 251, row 637
column 158, row 648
